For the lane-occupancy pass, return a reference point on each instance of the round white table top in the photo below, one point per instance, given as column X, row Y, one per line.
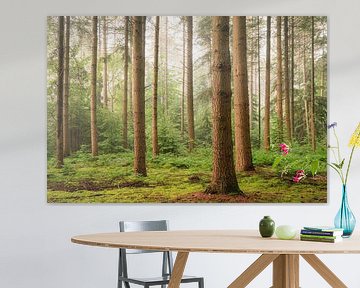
column 220, row 241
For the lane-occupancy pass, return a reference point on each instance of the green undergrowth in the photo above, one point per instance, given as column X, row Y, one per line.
column 179, row 178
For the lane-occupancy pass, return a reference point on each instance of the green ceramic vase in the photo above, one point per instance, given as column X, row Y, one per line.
column 267, row 227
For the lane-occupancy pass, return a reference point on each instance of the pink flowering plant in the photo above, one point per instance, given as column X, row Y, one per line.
column 299, row 175
column 287, row 163
column 282, row 160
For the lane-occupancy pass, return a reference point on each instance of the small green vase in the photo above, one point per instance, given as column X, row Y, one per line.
column 267, row 227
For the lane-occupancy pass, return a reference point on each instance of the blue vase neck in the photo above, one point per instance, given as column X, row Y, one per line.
column 344, row 195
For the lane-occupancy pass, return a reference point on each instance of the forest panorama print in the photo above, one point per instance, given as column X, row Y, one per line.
column 172, row 109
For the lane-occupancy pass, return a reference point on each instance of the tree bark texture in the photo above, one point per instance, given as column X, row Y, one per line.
column 279, row 101
column 312, row 99
column 182, row 107
column 66, row 88
column 189, row 82
column 292, row 102
column 105, row 70
column 155, row 146
column 267, row 86
column 223, row 174
column 243, row 154
column 126, row 75
column 93, row 127
column 286, row 78
column 138, row 94
column 60, row 91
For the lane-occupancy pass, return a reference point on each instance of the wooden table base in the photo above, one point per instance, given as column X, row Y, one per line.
column 286, row 271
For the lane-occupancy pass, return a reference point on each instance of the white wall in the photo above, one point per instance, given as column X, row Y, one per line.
column 35, row 248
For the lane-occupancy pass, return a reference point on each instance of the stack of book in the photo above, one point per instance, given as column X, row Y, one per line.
column 321, row 234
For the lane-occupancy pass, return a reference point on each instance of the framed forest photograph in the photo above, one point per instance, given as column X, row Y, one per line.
column 187, row 109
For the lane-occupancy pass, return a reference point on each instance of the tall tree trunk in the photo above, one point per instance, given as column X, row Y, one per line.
column 182, row 105
column 286, row 78
column 126, row 75
column 267, row 87
column 251, row 82
column 130, row 98
column 312, row 99
column 166, row 96
column 279, row 102
column 292, row 102
column 94, row 144
column 138, row 95
column 189, row 81
column 243, row 154
column 259, row 79
column 105, row 72
column 306, row 96
column 223, row 174
column 306, row 116
column 155, row 147
column 66, row 88
column 60, row 91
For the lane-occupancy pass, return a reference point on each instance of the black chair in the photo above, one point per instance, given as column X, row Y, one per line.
column 167, row 263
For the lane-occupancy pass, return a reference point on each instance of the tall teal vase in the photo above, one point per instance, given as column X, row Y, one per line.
column 345, row 219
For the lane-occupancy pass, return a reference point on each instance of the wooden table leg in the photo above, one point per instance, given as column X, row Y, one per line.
column 324, row 271
column 253, row 270
column 178, row 269
column 286, row 271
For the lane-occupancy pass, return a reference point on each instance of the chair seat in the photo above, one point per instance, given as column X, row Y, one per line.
column 158, row 280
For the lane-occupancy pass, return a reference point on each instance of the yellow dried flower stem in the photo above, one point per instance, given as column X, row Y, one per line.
column 354, row 142
column 355, row 138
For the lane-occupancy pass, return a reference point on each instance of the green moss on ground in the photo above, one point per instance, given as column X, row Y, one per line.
column 178, row 178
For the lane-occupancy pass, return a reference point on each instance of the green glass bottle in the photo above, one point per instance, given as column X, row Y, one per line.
column 267, row 227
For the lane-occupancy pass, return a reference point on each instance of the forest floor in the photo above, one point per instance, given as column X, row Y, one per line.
column 179, row 179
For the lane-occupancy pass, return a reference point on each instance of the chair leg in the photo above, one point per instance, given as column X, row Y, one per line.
column 201, row 283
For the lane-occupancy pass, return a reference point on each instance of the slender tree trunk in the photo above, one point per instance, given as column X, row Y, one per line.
column 306, row 116
column 155, row 147
column 66, row 88
column 286, row 78
column 322, row 72
column 126, row 75
column 94, row 144
column 105, row 72
column 312, row 99
column 267, row 87
column 243, row 154
column 306, row 96
column 223, row 175
column 259, row 83
column 279, row 102
column 251, row 82
column 138, row 96
column 130, row 98
column 166, row 96
column 60, row 91
column 182, row 123
column 189, row 81
column 292, row 102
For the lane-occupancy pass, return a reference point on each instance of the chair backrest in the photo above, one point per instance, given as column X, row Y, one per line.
column 135, row 226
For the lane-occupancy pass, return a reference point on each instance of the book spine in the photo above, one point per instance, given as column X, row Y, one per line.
column 318, row 236
column 319, row 233
column 317, row 239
